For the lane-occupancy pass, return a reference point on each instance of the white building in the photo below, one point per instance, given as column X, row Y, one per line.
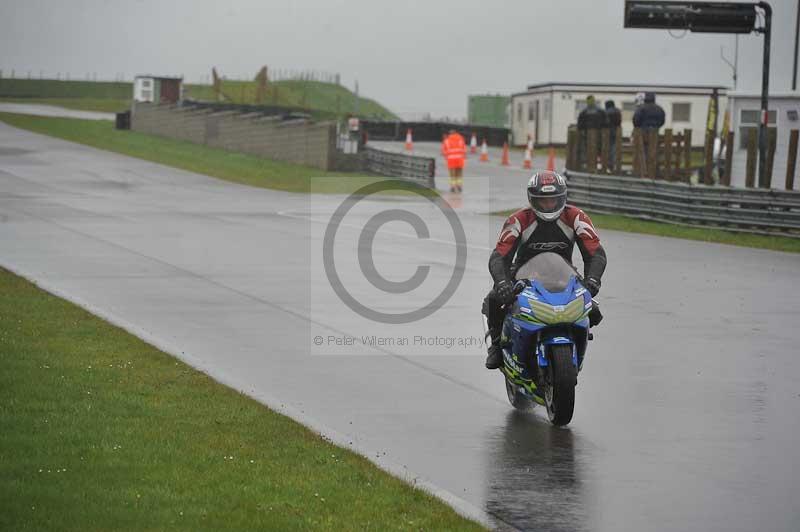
column 784, row 114
column 545, row 111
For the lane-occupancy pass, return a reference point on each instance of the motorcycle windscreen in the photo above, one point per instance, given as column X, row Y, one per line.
column 550, row 269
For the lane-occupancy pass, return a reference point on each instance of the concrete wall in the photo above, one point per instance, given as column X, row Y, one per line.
column 295, row 141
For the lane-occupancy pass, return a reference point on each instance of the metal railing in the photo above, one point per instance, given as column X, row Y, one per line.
column 736, row 209
column 414, row 168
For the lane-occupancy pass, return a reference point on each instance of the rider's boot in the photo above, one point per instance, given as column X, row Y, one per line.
column 494, row 360
column 595, row 316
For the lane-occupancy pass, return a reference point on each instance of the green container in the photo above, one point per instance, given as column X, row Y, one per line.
column 488, row 110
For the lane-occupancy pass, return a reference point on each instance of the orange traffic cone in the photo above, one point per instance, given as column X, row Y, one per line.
column 530, row 143
column 527, row 164
column 473, row 144
column 551, row 160
column 484, row 158
column 504, row 161
column 409, row 141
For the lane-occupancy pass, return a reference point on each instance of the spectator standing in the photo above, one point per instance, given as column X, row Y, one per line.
column 592, row 117
column 614, row 120
column 648, row 117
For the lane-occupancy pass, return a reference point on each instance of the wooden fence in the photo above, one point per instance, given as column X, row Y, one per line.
column 644, row 154
column 668, row 156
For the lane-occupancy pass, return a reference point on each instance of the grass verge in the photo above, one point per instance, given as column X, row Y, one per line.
column 103, row 105
column 615, row 222
column 101, row 431
column 222, row 164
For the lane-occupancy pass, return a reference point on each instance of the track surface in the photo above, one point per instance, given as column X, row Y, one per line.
column 52, row 110
column 686, row 415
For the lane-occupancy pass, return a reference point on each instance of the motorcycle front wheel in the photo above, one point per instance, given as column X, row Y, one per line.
column 515, row 397
column 559, row 390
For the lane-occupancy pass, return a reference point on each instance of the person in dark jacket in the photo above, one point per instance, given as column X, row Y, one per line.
column 592, row 117
column 648, row 117
column 614, row 119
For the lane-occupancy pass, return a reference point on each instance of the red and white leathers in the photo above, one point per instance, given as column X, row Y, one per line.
column 523, row 236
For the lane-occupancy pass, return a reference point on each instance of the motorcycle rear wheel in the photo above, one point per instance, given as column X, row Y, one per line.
column 559, row 392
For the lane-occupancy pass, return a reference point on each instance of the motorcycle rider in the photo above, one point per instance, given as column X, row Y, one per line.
column 548, row 224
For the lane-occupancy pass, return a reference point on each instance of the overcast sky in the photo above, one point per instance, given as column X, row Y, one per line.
column 411, row 56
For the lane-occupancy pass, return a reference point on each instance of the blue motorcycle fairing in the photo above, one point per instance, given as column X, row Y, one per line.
column 538, row 292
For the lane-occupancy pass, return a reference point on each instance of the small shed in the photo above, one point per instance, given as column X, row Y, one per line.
column 157, row 89
column 783, row 116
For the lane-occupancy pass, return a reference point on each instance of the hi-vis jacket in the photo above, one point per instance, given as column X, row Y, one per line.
column 455, row 150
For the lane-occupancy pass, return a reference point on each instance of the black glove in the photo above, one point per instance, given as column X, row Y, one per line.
column 505, row 291
column 592, row 285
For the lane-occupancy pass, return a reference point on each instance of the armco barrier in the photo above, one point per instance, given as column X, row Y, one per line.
column 749, row 210
column 413, row 168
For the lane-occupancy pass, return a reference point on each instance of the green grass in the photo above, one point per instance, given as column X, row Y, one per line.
column 104, row 105
column 615, row 222
column 222, row 164
column 101, row 431
column 51, row 88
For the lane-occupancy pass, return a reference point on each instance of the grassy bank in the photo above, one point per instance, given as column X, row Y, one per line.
column 633, row 225
column 61, row 88
column 101, row 431
column 336, row 100
column 235, row 167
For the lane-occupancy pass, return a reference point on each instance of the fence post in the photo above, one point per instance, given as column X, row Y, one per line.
column 618, row 152
column 652, row 152
column 791, row 163
column 668, row 154
column 636, row 141
column 750, row 177
column 708, row 158
column 687, row 152
column 772, row 140
column 572, row 146
column 726, row 179
column 591, row 150
column 604, row 147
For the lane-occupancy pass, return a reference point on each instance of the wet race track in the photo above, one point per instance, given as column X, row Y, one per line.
column 687, row 406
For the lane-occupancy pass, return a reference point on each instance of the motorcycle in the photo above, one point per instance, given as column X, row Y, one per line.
column 545, row 334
